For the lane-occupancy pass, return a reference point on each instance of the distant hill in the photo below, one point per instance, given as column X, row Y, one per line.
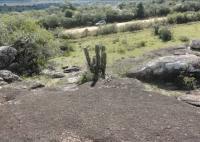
column 14, row 1
column 56, row 1
column 27, row 2
column 112, row 2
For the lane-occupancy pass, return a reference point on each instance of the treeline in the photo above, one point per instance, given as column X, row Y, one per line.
column 68, row 16
column 21, row 8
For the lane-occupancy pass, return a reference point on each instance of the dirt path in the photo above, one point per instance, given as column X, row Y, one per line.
column 118, row 111
column 94, row 28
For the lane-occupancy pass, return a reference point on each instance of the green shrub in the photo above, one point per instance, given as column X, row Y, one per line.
column 187, row 82
column 68, row 22
column 141, row 44
column 124, row 42
column 34, row 44
column 115, row 40
column 68, row 13
column 140, row 11
column 181, row 18
column 66, row 46
column 156, row 29
column 165, row 34
column 184, row 39
column 121, row 50
column 51, row 22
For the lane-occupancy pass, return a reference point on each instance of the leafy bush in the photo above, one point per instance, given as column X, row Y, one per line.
column 187, row 82
column 68, row 22
column 34, row 44
column 140, row 13
column 181, row 18
column 165, row 34
column 51, row 21
column 115, row 40
column 121, row 50
column 68, row 13
column 124, row 42
column 184, row 39
column 141, row 44
column 156, row 29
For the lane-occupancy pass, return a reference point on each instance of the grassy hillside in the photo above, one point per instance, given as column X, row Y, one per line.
column 129, row 44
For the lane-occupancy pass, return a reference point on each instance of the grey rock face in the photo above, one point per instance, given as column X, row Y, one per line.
column 7, row 56
column 190, row 99
column 167, row 68
column 8, row 76
column 195, row 45
column 36, row 85
column 2, row 82
column 71, row 69
column 52, row 73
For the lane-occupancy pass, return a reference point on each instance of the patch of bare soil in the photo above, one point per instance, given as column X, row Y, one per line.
column 95, row 28
column 116, row 111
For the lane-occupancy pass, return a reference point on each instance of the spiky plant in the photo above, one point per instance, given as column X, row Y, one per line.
column 97, row 64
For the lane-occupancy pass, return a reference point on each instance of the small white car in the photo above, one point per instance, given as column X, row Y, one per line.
column 100, row 23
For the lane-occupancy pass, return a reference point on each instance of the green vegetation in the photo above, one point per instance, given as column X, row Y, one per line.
column 69, row 16
column 130, row 44
column 33, row 43
column 97, row 64
column 187, row 82
column 184, row 39
column 140, row 11
column 180, row 18
column 165, row 34
column 39, row 32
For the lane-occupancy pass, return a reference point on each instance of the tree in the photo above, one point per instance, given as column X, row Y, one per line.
column 140, row 13
column 68, row 13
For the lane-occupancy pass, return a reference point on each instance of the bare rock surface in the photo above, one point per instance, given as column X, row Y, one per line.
column 190, row 99
column 116, row 111
column 8, row 76
column 52, row 73
column 168, row 67
column 71, row 69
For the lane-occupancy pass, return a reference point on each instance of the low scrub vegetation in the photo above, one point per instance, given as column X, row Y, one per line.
column 33, row 43
column 181, row 18
column 165, row 34
column 69, row 16
column 187, row 82
column 184, row 39
column 40, row 32
column 130, row 44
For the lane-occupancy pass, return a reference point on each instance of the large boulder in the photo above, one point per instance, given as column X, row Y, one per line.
column 7, row 56
column 167, row 68
column 195, row 45
column 8, row 76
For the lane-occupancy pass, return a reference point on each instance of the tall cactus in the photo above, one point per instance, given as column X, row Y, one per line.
column 97, row 65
